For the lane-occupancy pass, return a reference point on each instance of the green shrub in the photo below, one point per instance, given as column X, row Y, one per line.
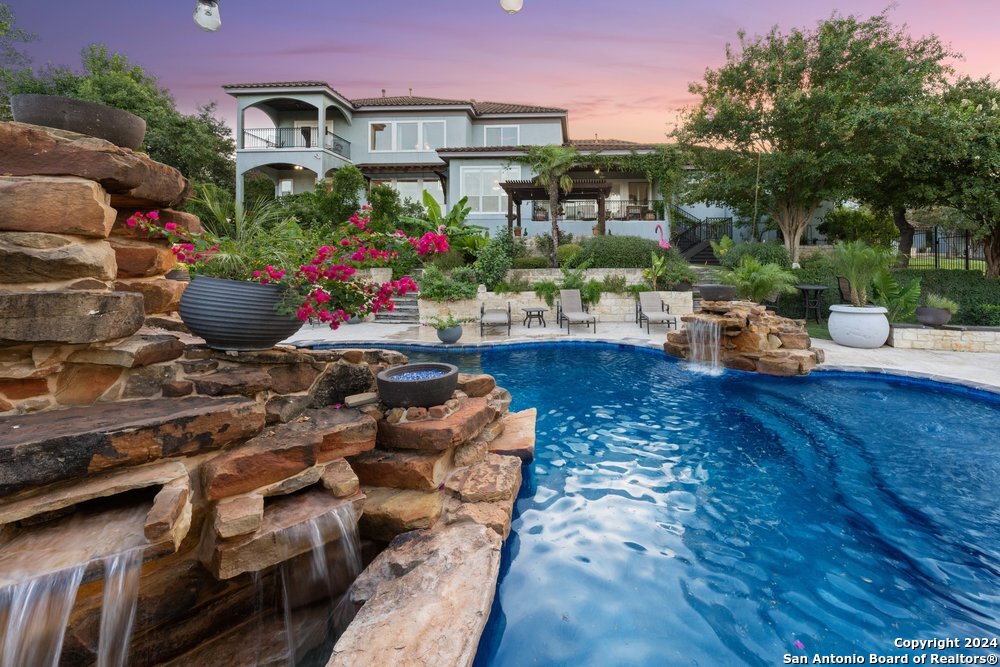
column 942, row 302
column 621, row 252
column 446, row 261
column 983, row 315
column 969, row 289
column 547, row 290
column 615, row 283
column 765, row 253
column 851, row 224
column 436, row 286
column 590, row 291
column 531, row 262
column 757, row 282
column 516, row 285
column 494, row 260
column 465, row 274
column 565, row 254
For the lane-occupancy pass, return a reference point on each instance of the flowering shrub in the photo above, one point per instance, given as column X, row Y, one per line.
column 328, row 285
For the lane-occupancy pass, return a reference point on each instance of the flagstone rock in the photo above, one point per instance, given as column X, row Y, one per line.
column 475, row 386
column 421, row 471
column 344, row 432
column 341, row 380
column 495, row 516
column 142, row 259
column 43, row 204
column 40, row 449
column 240, row 515
column 291, row 378
column 159, row 296
column 83, row 384
column 360, row 400
column 471, row 452
column 493, row 479
column 284, row 409
column 243, row 381
column 518, row 436
column 133, row 352
column 500, row 400
column 426, row 600
column 390, row 512
column 340, row 479
column 177, row 388
column 439, row 434
column 20, row 389
column 67, row 316
column 132, row 179
column 34, row 257
column 169, row 520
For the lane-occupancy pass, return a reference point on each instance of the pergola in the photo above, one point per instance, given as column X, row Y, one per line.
column 518, row 192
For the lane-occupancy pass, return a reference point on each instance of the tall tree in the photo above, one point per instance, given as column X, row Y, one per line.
column 972, row 165
column 201, row 146
column 12, row 56
column 816, row 109
column 552, row 165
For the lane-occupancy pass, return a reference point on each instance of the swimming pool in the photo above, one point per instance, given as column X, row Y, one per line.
column 675, row 518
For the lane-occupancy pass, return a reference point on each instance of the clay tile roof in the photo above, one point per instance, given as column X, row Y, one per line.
column 406, row 101
column 504, row 107
column 280, row 84
column 608, row 144
column 483, row 149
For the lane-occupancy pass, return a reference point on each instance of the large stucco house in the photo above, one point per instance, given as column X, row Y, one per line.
column 451, row 148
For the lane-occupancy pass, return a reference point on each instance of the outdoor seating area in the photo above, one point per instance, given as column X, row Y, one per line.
column 570, row 310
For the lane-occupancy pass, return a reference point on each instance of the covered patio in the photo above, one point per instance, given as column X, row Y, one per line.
column 518, row 192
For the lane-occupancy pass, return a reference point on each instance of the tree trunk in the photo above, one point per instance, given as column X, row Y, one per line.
column 991, row 247
column 793, row 219
column 554, row 218
column 905, row 237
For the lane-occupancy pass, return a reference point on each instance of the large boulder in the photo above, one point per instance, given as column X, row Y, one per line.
column 132, row 179
column 62, row 205
column 34, row 257
column 67, row 316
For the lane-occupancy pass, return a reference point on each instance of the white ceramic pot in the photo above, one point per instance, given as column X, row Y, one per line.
column 866, row 327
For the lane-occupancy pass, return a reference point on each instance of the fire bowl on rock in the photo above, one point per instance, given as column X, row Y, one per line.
column 64, row 113
column 717, row 292
column 417, row 385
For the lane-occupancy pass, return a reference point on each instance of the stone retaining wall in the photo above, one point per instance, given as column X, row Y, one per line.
column 954, row 339
column 632, row 276
column 611, row 308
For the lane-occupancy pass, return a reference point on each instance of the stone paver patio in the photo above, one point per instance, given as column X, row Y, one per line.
column 977, row 369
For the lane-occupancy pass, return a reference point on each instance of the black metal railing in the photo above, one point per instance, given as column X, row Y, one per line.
column 937, row 248
column 689, row 233
column 613, row 210
column 295, row 137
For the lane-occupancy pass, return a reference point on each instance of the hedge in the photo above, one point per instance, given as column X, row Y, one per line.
column 765, row 253
column 620, row 252
column 531, row 262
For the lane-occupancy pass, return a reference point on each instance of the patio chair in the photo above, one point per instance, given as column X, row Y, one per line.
column 571, row 310
column 844, row 287
column 494, row 317
column 653, row 310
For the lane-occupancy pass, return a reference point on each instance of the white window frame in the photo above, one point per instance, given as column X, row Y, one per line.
column 487, row 128
column 395, row 135
column 513, row 173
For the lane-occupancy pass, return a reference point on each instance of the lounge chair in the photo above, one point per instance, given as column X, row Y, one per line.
column 571, row 310
column 494, row 317
column 653, row 310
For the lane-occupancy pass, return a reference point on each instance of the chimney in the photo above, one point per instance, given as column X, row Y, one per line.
column 411, row 92
column 383, row 92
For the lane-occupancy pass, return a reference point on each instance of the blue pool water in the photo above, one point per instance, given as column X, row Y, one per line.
column 671, row 518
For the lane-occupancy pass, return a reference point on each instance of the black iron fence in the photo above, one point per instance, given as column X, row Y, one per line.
column 937, row 248
column 294, row 137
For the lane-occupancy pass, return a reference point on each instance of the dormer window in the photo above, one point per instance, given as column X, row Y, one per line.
column 407, row 136
column 503, row 135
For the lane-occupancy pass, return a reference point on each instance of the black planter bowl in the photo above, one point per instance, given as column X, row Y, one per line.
column 417, row 393
column 65, row 113
column 717, row 292
column 933, row 317
column 235, row 315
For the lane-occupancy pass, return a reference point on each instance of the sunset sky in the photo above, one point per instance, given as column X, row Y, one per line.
column 621, row 68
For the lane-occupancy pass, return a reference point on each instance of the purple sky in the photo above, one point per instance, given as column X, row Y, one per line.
column 621, row 67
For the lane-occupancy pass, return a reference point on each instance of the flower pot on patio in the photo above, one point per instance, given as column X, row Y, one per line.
column 450, row 335
column 865, row 328
column 235, row 315
column 933, row 317
column 417, row 385
column 65, row 113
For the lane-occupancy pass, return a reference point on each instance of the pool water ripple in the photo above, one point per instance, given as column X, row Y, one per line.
column 679, row 518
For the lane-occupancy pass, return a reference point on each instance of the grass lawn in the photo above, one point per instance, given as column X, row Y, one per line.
column 818, row 330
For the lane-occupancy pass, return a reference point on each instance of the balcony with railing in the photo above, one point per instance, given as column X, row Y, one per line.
column 273, row 138
column 613, row 210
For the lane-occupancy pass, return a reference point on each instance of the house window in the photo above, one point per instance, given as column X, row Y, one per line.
column 482, row 186
column 503, row 135
column 381, row 136
column 407, row 136
column 414, row 188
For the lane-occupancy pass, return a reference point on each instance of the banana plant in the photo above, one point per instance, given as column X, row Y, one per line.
column 468, row 238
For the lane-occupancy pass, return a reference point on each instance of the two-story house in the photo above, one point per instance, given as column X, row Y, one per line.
column 451, row 148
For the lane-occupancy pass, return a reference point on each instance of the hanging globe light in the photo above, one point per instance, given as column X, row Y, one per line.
column 511, row 6
column 206, row 15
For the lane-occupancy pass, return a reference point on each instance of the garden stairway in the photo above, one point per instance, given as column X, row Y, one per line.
column 405, row 311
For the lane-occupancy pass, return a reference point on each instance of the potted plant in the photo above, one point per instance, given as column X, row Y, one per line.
column 860, row 324
column 759, row 282
column 258, row 281
column 938, row 311
column 449, row 328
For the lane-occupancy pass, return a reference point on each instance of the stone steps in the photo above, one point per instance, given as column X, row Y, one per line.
column 406, row 310
column 59, row 446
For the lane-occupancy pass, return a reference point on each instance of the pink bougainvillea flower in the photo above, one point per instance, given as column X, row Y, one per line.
column 170, row 226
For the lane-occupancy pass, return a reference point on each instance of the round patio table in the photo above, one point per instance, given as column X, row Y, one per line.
column 812, row 300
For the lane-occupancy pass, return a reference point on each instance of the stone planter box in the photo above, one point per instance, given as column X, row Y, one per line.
column 611, row 308
column 953, row 338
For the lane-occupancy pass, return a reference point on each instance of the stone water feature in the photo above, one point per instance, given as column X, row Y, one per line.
column 162, row 503
column 744, row 336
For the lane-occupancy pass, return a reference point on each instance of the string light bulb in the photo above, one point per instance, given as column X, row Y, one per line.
column 511, row 6
column 206, row 15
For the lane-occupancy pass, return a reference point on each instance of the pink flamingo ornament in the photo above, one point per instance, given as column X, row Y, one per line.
column 665, row 244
